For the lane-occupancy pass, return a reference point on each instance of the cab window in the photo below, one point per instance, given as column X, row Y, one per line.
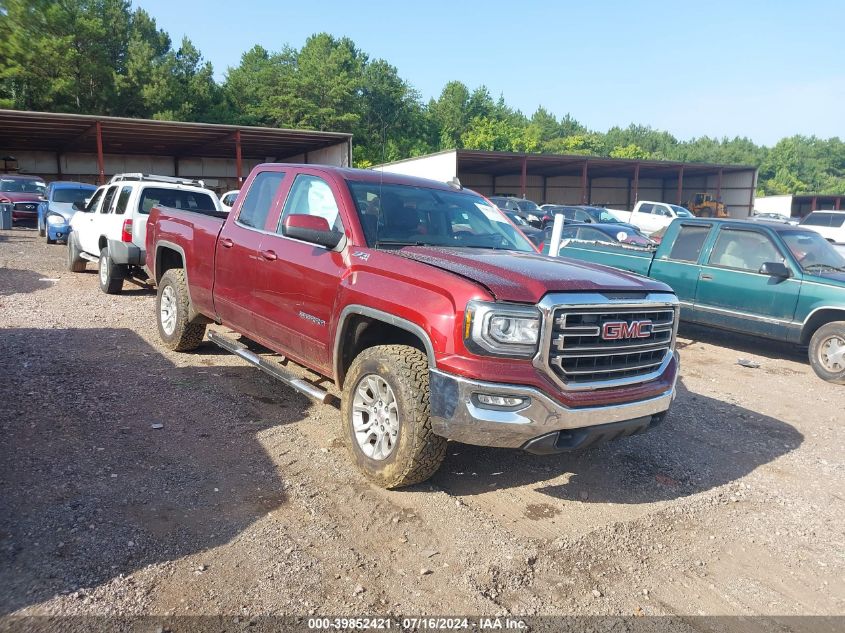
column 646, row 208
column 311, row 195
column 259, row 199
column 688, row 243
column 743, row 250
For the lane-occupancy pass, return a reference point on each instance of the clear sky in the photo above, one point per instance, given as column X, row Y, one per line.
column 693, row 67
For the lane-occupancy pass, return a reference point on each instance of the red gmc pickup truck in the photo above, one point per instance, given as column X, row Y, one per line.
column 430, row 311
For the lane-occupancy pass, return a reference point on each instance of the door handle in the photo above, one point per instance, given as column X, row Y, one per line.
column 706, row 277
column 226, row 242
column 270, row 256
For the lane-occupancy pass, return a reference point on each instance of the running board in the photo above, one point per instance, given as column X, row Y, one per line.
column 90, row 258
column 277, row 372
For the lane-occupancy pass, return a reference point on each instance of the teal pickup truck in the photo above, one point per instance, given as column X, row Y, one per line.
column 778, row 281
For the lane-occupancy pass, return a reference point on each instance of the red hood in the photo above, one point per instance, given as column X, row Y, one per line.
column 18, row 196
column 527, row 277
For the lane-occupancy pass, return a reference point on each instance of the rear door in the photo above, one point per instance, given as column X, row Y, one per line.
column 298, row 281
column 732, row 293
column 238, row 259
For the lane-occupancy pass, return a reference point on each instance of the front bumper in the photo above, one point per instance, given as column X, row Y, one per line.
column 539, row 424
column 57, row 231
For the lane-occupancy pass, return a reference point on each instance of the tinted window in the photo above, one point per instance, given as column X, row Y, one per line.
column 259, row 198
column 69, row 195
column 592, row 235
column 646, row 208
column 174, row 198
column 824, row 219
column 107, row 200
column 311, row 195
column 22, row 186
column 122, row 200
column 688, row 243
column 743, row 250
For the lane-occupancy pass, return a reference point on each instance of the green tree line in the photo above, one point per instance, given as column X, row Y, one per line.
column 103, row 57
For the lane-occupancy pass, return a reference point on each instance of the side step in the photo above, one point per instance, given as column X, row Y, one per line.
column 269, row 367
column 90, row 258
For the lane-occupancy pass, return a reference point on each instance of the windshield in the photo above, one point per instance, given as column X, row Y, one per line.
column 67, row 194
column 402, row 215
column 23, row 186
column 681, row 212
column 604, row 217
column 813, row 252
column 824, row 219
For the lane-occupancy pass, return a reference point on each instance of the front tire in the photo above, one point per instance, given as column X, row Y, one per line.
column 385, row 413
column 827, row 352
column 42, row 230
column 75, row 263
column 110, row 274
column 173, row 305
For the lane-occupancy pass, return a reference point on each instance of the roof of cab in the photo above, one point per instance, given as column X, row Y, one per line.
column 370, row 175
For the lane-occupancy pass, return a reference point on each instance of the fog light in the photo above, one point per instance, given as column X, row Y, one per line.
column 499, row 401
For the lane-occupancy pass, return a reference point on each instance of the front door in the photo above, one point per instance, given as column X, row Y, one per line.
column 299, row 281
column 238, row 253
column 679, row 268
column 731, row 291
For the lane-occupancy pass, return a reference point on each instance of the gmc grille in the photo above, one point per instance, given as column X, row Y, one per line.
column 579, row 354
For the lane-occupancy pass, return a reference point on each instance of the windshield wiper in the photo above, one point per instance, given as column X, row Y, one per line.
column 399, row 243
column 838, row 269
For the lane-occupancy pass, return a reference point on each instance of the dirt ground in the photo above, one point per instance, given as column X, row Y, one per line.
column 245, row 504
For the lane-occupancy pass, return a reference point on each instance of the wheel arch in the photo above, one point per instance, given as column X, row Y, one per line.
column 818, row 318
column 360, row 327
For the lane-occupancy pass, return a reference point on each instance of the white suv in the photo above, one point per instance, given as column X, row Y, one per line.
column 112, row 228
column 829, row 224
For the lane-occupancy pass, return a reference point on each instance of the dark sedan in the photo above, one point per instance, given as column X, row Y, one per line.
column 533, row 234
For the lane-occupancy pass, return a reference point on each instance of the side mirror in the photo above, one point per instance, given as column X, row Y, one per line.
column 311, row 228
column 775, row 269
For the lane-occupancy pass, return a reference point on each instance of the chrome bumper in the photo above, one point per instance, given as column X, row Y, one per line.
column 457, row 414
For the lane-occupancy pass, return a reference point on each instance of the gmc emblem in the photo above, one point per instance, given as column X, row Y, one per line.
column 616, row 330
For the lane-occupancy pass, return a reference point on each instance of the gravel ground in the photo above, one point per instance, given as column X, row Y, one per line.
column 244, row 503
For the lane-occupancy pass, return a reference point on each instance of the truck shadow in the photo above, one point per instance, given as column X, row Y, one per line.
column 14, row 281
column 704, row 443
column 745, row 343
column 89, row 489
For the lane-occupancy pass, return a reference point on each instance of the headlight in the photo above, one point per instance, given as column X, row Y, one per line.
column 56, row 219
column 505, row 330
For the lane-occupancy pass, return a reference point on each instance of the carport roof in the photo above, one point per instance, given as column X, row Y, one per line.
column 54, row 132
column 501, row 163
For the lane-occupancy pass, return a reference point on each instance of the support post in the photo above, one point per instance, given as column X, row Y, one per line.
column 523, row 177
column 545, row 184
column 719, row 186
column 680, row 186
column 59, row 165
column 176, row 166
column 238, row 158
column 636, row 196
column 584, row 183
column 101, row 168
column 813, row 204
column 837, row 205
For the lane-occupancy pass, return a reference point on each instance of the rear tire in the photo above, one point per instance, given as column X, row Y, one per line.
column 111, row 275
column 413, row 453
column 827, row 352
column 173, row 306
column 75, row 263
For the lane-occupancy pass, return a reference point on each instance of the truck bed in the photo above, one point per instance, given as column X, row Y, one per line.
column 631, row 258
column 195, row 234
